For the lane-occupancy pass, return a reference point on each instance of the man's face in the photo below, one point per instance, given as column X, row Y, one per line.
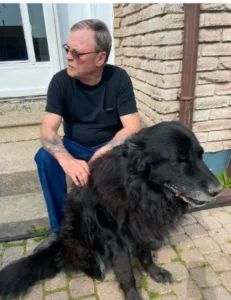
column 82, row 41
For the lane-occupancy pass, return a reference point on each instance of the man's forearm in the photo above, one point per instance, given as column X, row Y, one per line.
column 54, row 145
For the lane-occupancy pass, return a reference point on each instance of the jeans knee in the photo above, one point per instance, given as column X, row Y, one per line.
column 43, row 157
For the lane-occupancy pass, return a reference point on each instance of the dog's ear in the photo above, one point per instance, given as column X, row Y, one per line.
column 138, row 160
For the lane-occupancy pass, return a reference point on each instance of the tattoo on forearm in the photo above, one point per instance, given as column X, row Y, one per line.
column 113, row 144
column 53, row 144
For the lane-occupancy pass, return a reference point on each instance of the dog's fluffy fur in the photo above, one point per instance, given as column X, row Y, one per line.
column 136, row 195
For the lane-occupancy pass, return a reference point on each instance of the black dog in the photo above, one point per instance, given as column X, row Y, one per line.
column 136, row 195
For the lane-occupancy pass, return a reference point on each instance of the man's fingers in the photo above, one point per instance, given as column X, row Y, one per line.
column 75, row 180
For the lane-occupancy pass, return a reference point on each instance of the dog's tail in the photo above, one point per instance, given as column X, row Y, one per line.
column 18, row 277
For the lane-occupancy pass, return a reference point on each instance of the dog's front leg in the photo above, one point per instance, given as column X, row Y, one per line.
column 123, row 270
column 157, row 273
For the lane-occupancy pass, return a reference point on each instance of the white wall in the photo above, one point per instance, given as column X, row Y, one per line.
column 70, row 13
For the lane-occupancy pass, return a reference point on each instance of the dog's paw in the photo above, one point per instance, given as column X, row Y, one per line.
column 162, row 276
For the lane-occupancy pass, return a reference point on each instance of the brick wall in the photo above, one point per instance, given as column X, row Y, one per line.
column 148, row 44
column 212, row 114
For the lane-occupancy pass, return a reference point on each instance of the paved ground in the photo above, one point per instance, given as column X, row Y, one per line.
column 199, row 257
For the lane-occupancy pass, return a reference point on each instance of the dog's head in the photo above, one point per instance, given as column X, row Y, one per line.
column 170, row 156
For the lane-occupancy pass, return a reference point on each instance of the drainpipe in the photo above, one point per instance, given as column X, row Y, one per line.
column 189, row 64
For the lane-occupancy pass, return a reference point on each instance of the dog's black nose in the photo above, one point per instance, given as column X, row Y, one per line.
column 214, row 190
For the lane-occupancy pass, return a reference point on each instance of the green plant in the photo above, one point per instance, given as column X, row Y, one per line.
column 224, row 179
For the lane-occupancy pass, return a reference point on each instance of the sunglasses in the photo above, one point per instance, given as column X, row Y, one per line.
column 75, row 54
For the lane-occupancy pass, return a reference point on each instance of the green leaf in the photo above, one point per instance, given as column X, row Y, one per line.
column 220, row 178
column 226, row 178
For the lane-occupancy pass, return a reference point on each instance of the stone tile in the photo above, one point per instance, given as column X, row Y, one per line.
column 182, row 241
column 218, row 262
column 205, row 276
column 58, row 296
column 178, row 270
column 228, row 208
column 202, row 213
column 215, row 293
column 193, row 258
column 226, row 279
column 89, row 298
column 36, row 293
column 220, row 235
column 30, row 246
column 206, row 245
column 160, row 288
column 178, row 231
column 226, row 248
column 195, row 231
column 110, row 276
column 187, row 290
column 12, row 253
column 144, row 294
column 81, row 286
column 216, row 210
column 209, row 222
column 189, row 219
column 109, row 290
column 223, row 217
column 227, row 227
column 58, row 282
column 166, row 254
column 168, row 297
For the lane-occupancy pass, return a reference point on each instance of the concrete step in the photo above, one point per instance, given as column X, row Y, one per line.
column 18, row 172
column 19, row 213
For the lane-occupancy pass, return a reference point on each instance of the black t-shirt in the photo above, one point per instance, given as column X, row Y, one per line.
column 91, row 113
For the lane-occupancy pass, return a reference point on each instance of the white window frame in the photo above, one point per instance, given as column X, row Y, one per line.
column 28, row 77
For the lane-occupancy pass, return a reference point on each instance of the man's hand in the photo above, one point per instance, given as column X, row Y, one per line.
column 99, row 153
column 77, row 169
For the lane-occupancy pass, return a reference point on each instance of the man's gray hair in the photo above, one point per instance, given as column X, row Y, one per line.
column 103, row 40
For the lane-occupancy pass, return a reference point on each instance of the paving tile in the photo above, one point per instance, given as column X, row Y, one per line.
column 11, row 254
column 178, row 231
column 189, row 219
column 218, row 262
column 206, row 245
column 81, row 286
column 193, row 258
column 178, row 270
column 223, row 217
column 226, row 248
column 227, row 227
column 58, row 282
column 182, row 241
column 195, row 231
column 205, row 276
column 166, row 254
column 226, row 279
column 202, row 213
column 36, row 293
column 109, row 290
column 228, row 208
column 187, row 290
column 215, row 293
column 220, row 235
column 58, row 296
column 160, row 288
column 209, row 222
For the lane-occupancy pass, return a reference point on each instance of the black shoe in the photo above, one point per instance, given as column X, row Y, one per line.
column 46, row 243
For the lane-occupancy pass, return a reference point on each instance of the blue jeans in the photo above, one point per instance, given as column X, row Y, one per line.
column 53, row 178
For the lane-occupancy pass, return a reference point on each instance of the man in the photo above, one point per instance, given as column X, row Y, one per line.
column 96, row 102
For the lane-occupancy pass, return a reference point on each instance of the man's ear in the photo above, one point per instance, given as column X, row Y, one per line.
column 101, row 59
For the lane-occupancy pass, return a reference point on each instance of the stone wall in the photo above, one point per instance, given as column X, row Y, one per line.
column 148, row 45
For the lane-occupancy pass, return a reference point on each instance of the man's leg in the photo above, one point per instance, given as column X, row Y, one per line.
column 53, row 182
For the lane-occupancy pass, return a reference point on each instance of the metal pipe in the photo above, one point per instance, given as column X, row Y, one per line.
column 189, row 64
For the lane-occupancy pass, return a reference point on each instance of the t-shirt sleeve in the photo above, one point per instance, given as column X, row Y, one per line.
column 55, row 96
column 126, row 103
